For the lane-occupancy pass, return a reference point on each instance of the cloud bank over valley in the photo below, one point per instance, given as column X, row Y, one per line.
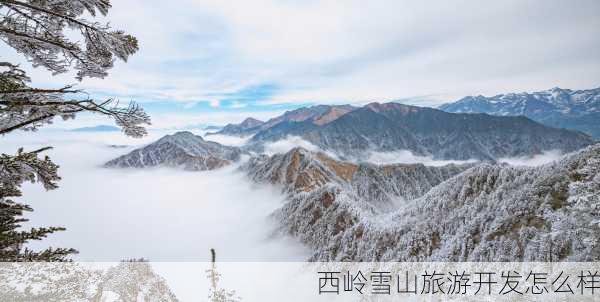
column 159, row 214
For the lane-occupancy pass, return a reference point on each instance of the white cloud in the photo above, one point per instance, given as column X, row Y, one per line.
column 228, row 140
column 329, row 51
column 407, row 157
column 287, row 144
column 536, row 160
column 159, row 214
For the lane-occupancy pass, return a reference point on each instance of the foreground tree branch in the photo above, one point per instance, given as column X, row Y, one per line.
column 14, row 171
column 36, row 29
column 26, row 108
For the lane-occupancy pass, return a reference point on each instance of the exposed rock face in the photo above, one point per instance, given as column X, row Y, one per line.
column 318, row 115
column 379, row 188
column 562, row 108
column 489, row 212
column 427, row 131
column 182, row 149
column 300, row 170
column 332, row 114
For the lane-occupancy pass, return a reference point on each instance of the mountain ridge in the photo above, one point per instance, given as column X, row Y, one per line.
column 181, row 149
column 318, row 115
column 427, row 132
column 484, row 212
column 556, row 107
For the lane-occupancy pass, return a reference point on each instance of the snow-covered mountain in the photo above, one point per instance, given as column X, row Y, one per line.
column 563, row 108
column 300, row 170
column 426, row 132
column 244, row 128
column 182, row 149
column 485, row 212
column 317, row 115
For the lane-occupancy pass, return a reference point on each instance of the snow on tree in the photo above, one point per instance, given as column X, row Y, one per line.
column 488, row 212
column 215, row 293
column 41, row 30
column 37, row 29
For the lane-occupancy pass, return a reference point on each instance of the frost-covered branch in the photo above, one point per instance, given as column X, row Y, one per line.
column 37, row 28
column 26, row 108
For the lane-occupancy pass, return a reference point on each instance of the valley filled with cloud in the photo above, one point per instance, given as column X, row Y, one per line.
column 160, row 214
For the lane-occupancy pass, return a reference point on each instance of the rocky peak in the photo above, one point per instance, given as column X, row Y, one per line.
column 332, row 114
column 555, row 107
column 251, row 123
column 181, row 149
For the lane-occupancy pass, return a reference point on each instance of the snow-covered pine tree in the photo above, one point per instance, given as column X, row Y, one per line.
column 38, row 29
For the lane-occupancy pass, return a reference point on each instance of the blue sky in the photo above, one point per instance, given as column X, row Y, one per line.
column 211, row 61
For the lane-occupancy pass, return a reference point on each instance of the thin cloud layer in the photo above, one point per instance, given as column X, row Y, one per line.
column 287, row 144
column 227, row 140
column 536, row 160
column 291, row 142
column 407, row 157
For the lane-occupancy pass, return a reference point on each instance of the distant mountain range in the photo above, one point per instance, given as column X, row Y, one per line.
column 318, row 115
column 182, row 149
column 352, row 131
column 99, row 128
column 561, row 108
column 244, row 128
column 484, row 212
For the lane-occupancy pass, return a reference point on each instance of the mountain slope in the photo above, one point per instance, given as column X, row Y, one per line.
column 182, row 149
column 379, row 187
column 246, row 127
column 563, row 108
column 428, row 132
column 315, row 115
column 486, row 213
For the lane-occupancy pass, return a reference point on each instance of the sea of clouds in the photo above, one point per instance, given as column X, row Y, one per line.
column 158, row 214
column 167, row 214
column 176, row 216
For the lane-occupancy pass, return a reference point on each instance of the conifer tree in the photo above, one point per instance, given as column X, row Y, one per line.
column 42, row 31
